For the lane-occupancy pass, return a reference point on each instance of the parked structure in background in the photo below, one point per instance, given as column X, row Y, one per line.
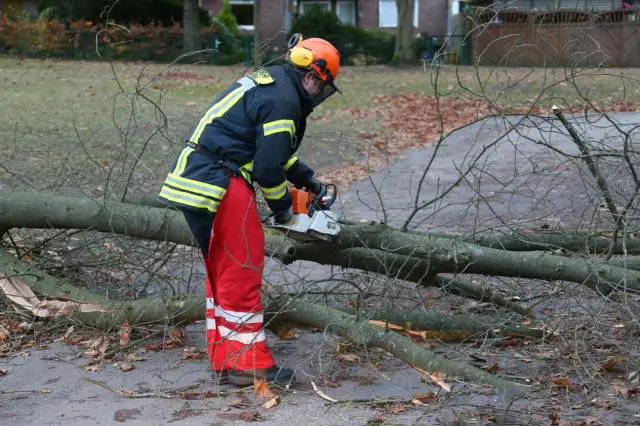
column 556, row 33
column 276, row 16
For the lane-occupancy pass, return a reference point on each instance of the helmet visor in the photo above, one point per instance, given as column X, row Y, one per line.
column 327, row 89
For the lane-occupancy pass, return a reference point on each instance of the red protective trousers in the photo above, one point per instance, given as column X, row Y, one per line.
column 234, row 265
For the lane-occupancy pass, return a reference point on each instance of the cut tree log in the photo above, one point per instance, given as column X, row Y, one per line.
column 597, row 243
column 421, row 255
column 459, row 325
column 189, row 308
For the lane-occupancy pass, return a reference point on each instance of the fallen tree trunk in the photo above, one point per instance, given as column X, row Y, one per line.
column 421, row 256
column 459, row 325
column 189, row 308
column 369, row 335
column 548, row 240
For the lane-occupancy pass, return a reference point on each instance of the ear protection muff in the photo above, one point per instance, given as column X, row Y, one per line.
column 298, row 55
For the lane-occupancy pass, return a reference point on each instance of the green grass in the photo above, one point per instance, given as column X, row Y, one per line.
column 72, row 125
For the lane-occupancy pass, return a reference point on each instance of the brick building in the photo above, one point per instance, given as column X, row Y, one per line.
column 276, row 16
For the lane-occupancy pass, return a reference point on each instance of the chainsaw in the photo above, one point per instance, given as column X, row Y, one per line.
column 312, row 218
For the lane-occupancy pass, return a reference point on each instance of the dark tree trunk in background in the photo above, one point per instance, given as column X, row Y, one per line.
column 257, row 57
column 191, row 26
column 403, row 54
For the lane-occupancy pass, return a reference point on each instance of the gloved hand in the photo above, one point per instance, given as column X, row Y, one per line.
column 316, row 187
column 283, row 216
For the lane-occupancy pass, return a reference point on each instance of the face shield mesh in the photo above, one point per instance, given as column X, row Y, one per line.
column 325, row 92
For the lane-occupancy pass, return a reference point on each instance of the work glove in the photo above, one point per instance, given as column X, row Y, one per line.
column 316, row 187
column 283, row 216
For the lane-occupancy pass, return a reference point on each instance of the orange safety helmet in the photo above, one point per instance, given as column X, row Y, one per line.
column 315, row 54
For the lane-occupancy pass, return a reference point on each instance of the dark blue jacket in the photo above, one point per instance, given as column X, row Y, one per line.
column 254, row 127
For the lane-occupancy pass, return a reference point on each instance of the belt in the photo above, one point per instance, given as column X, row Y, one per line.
column 233, row 168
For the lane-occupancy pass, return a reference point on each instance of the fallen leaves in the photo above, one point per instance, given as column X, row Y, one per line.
column 126, row 414
column 263, row 392
column 92, row 368
column 348, row 358
column 625, row 391
column 3, row 371
column 25, row 300
column 261, row 389
column 96, row 347
column 125, row 332
column 437, row 377
column 193, row 353
column 173, row 339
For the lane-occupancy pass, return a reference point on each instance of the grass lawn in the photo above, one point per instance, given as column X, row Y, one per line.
column 72, row 125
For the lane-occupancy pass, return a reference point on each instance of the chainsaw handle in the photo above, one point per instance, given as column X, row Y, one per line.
column 333, row 197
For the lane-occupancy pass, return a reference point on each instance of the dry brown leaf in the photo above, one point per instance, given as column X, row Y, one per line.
column 25, row 300
column 3, row 371
column 348, row 357
column 603, row 403
column 610, row 364
column 622, row 391
column 134, row 357
column 591, row 421
column 438, row 378
column 193, row 353
column 126, row 414
column 4, row 332
column 126, row 366
column 493, row 368
column 562, row 381
column 396, row 408
column 262, row 390
column 423, row 397
column 271, row 403
column 125, row 331
column 177, row 334
column 285, row 332
column 92, row 368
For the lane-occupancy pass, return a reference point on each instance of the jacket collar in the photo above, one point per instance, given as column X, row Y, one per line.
column 305, row 99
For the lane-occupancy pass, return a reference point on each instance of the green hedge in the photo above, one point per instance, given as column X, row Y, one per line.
column 43, row 37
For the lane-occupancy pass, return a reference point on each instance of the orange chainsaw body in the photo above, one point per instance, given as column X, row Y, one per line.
column 301, row 200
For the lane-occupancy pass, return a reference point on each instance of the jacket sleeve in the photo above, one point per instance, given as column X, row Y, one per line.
column 275, row 142
column 297, row 172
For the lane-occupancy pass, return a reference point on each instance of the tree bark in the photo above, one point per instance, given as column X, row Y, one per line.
column 191, row 26
column 403, row 53
column 549, row 240
column 257, row 40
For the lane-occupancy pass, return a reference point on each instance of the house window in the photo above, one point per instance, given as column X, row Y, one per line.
column 388, row 13
column 243, row 11
column 346, row 11
column 306, row 6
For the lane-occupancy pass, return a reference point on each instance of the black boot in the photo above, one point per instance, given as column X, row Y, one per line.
column 275, row 375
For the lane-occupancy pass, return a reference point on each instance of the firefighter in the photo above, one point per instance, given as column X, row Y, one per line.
column 248, row 135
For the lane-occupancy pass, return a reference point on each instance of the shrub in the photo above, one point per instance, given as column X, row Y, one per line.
column 227, row 18
column 44, row 37
column 354, row 43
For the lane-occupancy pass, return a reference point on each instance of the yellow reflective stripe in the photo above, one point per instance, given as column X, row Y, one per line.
column 279, row 126
column 276, row 192
column 201, row 188
column 290, row 163
column 192, row 200
column 246, row 170
column 222, row 106
column 182, row 161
